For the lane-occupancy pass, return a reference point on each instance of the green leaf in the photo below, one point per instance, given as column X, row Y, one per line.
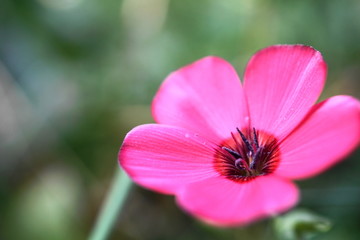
column 300, row 224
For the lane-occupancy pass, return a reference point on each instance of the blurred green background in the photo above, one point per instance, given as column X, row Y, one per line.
column 77, row 75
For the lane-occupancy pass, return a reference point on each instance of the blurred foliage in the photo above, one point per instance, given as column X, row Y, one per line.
column 76, row 75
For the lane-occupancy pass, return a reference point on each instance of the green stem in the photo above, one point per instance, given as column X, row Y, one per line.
column 111, row 207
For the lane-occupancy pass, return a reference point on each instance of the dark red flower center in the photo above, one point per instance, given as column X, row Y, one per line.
column 246, row 155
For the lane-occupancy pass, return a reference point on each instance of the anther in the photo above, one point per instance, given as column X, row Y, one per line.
column 242, row 164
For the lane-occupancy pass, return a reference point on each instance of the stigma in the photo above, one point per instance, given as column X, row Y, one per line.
column 247, row 154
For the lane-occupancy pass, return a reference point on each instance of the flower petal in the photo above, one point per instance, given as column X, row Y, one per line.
column 329, row 133
column 165, row 158
column 223, row 202
column 282, row 83
column 205, row 97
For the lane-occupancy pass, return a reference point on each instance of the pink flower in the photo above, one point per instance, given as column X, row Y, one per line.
column 229, row 152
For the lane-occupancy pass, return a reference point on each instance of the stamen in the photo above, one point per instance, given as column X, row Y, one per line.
column 232, row 152
column 242, row 157
column 247, row 143
column 256, row 138
column 256, row 157
column 235, row 139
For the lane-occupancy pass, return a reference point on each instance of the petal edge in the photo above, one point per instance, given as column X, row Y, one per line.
column 329, row 133
column 165, row 158
column 282, row 83
column 205, row 97
column 222, row 202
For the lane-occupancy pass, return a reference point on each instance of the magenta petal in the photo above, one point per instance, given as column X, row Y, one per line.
column 281, row 84
column 165, row 158
column 328, row 134
column 223, row 202
column 205, row 97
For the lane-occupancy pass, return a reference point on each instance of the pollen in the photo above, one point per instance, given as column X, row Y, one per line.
column 247, row 154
